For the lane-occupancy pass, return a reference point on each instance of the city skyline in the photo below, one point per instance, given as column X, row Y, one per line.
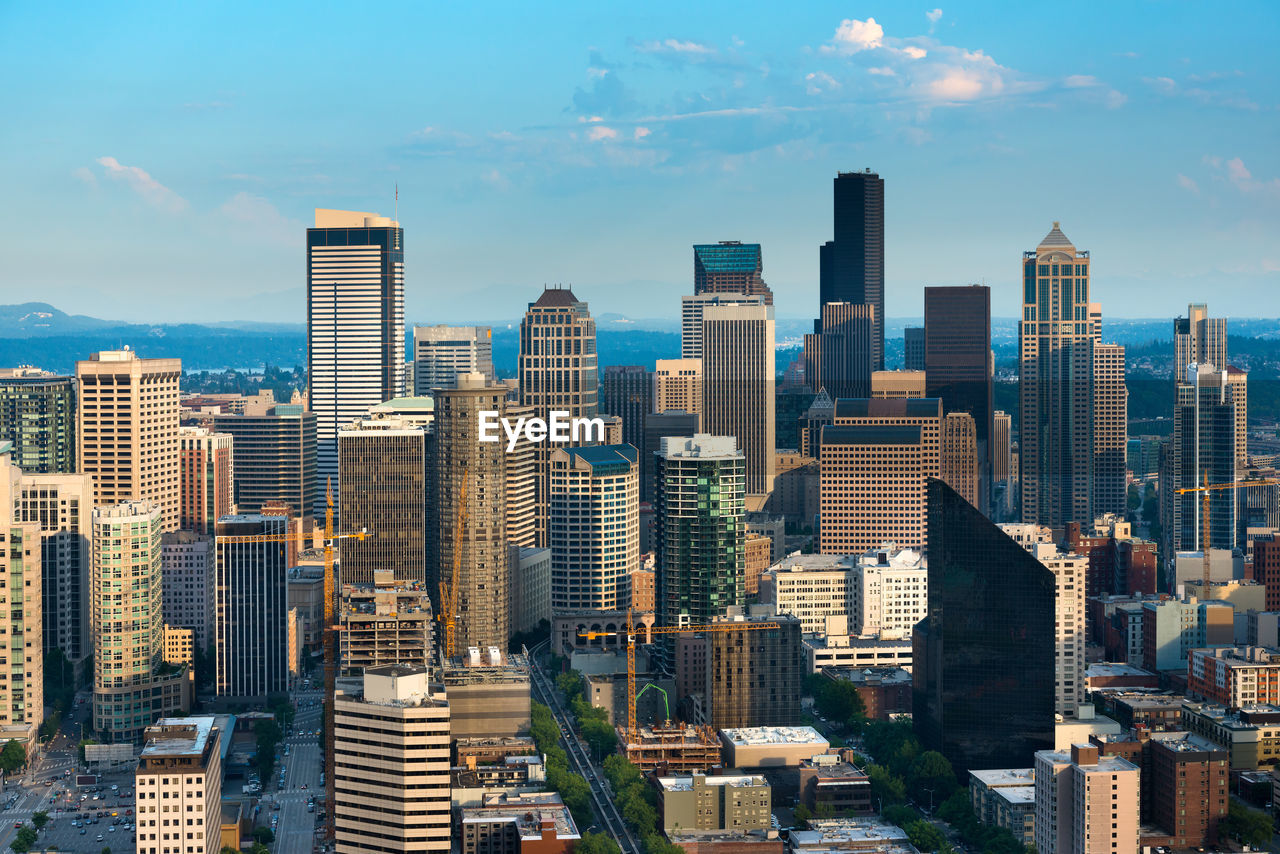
column 750, row 117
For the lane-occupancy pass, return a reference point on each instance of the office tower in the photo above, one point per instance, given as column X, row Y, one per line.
column 384, row 623
column 275, row 456
column 1085, row 803
column 1056, row 384
column 1238, row 381
column 355, row 326
column 692, row 309
column 61, row 504
column 205, row 481
column 1002, row 426
column 957, row 364
column 526, row 520
column 22, row 693
column 251, row 610
column 188, row 565
column 701, row 531
column 913, row 348
column 382, row 472
column 658, row 426
column 594, row 526
column 38, row 415
column 839, row 356
column 391, row 752
column 482, row 582
column 729, row 267
column 130, row 685
column 677, row 384
column 821, row 412
column 959, row 457
column 558, row 355
column 983, row 661
column 1110, row 431
column 627, row 392
column 1203, row 451
column 852, row 265
column 737, row 385
column 178, row 783
column 1198, row 339
column 876, row 459
column 891, row 384
column 127, row 429
column 530, row 600
column 754, row 678
column 442, row 352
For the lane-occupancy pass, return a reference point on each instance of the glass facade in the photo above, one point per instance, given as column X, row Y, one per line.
column 851, row 267
column 38, row 414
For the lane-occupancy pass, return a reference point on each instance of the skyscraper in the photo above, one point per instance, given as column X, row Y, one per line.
column 275, row 456
column 384, row 462
column 188, row 566
column 958, row 455
column 957, row 363
column 251, row 638
column 983, row 661
column 729, row 267
column 441, row 352
column 22, row 693
column 913, row 348
column 205, row 480
column 1203, row 451
column 355, row 325
column 627, row 392
column 691, row 311
column 127, row 429
column 738, row 379
column 1198, row 339
column 839, row 356
column 558, row 368
column 852, row 265
column 677, row 384
column 755, row 678
column 657, row 426
column 1110, row 430
column 1001, row 467
column 38, row 415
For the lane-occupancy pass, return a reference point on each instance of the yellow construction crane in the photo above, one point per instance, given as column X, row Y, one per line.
column 663, row 630
column 449, row 589
column 1208, row 489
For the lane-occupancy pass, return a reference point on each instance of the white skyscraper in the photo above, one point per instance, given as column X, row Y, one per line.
column 691, row 309
column 440, row 353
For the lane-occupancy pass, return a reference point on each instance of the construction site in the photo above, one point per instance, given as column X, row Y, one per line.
column 677, row 748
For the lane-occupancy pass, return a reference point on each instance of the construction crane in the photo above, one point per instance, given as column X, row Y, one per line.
column 330, row 625
column 449, row 589
column 663, row 630
column 1208, row 489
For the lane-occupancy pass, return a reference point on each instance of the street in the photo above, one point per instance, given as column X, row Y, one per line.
column 295, row 831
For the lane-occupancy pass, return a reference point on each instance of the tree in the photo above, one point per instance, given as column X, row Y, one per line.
column 885, row 787
column 12, row 757
column 227, row 849
column 655, row 844
column 899, row 814
column 264, row 835
column 932, row 778
column 25, row 839
column 1246, row 825
column 596, row 843
column 620, row 772
column 925, row 836
column 837, row 699
column 40, row 819
column 259, row 848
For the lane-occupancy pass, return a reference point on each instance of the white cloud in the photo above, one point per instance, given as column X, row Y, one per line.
column 882, row 71
column 676, row 46
column 915, row 52
column 83, row 174
column 1162, row 84
column 960, row 84
column 1241, row 178
column 1188, row 184
column 1237, row 172
column 1080, row 81
column 594, row 73
column 151, row 190
column 261, row 218
column 853, row 35
column 600, row 133
column 496, row 179
column 1116, row 100
column 819, row 81
column 933, row 16
column 641, row 133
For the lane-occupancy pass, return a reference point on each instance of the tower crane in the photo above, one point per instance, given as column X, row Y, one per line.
column 1208, row 489
column 449, row 589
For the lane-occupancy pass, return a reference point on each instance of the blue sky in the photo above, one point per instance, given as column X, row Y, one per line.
column 161, row 162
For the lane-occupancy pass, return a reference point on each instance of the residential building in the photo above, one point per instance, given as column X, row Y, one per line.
column 758, row 549
column 738, row 380
column 891, row 384
column 1002, row 427
column 517, row 823
column 1110, row 430
column 530, row 599
column 627, row 392
column 21, row 570
column 595, row 526
column 642, row 590
column 275, row 456
column 839, row 356
column 755, row 677
column 188, row 565
column 677, row 384
column 525, row 464
column 1250, row 735
column 127, row 429
column 959, row 459
column 382, row 476
column 205, row 481
column 178, row 786
column 1198, row 339
column 1172, row 628
column 1238, row 382
column 355, row 327
column 180, row 648
column 1202, row 452
column 251, row 639
column 828, row 783
column 739, row 803
column 391, row 760
column 657, row 426
column 1234, row 676
column 382, row 624
column 851, row 834
column 1085, row 803
column 851, row 266
column 913, row 348
column 729, row 267
column 442, row 352
column 38, row 416
column 1119, row 562
column 692, row 309
column 1006, row 797
column 885, row 691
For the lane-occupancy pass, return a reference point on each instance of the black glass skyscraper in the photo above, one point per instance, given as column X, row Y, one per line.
column 983, row 660
column 852, row 265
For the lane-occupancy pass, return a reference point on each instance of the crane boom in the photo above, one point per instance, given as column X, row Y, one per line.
column 1208, row 489
column 449, row 589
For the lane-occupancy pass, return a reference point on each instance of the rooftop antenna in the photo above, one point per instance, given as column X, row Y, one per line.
column 397, row 201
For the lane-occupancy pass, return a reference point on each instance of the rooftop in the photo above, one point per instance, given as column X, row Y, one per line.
column 1055, row 237
column 834, row 831
column 178, row 737
column 527, row 810
column 556, row 297
column 746, row 736
column 1017, row 795
column 997, row 778
column 685, row 784
column 1104, row 669
column 871, row 675
column 898, row 407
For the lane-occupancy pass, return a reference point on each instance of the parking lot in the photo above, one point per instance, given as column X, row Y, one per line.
column 80, row 819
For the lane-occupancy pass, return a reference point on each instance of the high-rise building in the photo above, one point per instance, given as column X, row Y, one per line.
column 1110, row 430
column 38, row 415
column 1198, row 339
column 692, row 309
column 1085, row 803
column 483, row 579
column 355, row 326
column 959, row 457
column 127, row 429
column 130, row 690
column 275, row 457
column 526, row 520
column 729, row 267
column 983, row 661
column 384, row 623
column 178, row 783
column 876, row 460
column 1002, row 425
column 839, row 355
column 913, row 348
column 391, row 752
column 22, row 693
column 205, row 480
column 677, row 384
column 594, row 526
column 891, row 384
column 382, row 472
column 755, row 678
column 558, row 369
column 188, row 563
column 1203, row 451
column 738, row 379
column 251, row 610
column 627, row 392
column 1238, row 382
column 1056, row 390
column 821, row 412
column 701, row 529
column 658, row 426
column 958, row 364
column 852, row 265
column 442, row 352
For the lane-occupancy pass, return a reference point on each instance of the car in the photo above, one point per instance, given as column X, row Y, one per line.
column 83, row 831
column 304, row 785
column 17, row 825
column 99, row 837
column 111, row 829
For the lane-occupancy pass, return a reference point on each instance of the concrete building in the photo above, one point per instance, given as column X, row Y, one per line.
column 488, row 693
column 1198, row 339
column 188, row 566
column 657, row 426
column 771, row 746
column 839, row 356
column 1203, row 450
column 740, row 803
column 518, row 823
column 758, row 548
column 275, row 456
column 677, row 384
column 1172, row 628
column 1001, row 447
column 626, row 391
column 729, row 267
column 1234, row 676
column 1085, row 803
column 913, row 348
column 178, row 786
column 844, row 650
column 1250, row 735
column 382, row 477
column 205, row 481
column 251, row 612
column 388, row 623
column 22, row 694
column 127, row 429
column 755, row 677
column 558, row 365
column 1006, row 798
column 355, row 326
column 1242, row 595
column 738, row 379
column 828, row 783
column 1110, row 429
column 38, row 416
column 391, row 755
column 885, row 691
column 442, row 352
column 820, row 413
column 642, row 590
column 692, row 309
column 893, row 384
column 530, row 587
column 851, row 834
column 958, row 457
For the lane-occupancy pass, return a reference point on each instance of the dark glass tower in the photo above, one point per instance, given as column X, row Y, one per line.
column 38, row 415
column 983, row 660
column 852, row 265
column 627, row 392
column 957, row 362
column 729, row 267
